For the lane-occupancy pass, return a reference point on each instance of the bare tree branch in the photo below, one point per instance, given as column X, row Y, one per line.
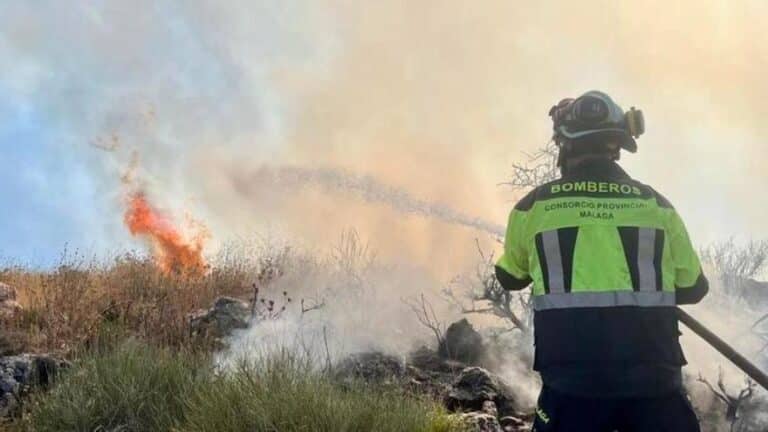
column 733, row 403
column 484, row 287
column 426, row 315
column 540, row 168
column 737, row 264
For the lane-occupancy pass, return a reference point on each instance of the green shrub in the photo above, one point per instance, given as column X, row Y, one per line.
column 139, row 388
column 131, row 388
column 284, row 394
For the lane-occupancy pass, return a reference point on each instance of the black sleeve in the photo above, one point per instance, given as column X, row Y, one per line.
column 694, row 294
column 509, row 282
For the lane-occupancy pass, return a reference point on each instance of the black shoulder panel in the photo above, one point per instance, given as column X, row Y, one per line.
column 661, row 200
column 527, row 202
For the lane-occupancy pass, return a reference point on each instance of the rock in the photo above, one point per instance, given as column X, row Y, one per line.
column 20, row 373
column 514, row 424
column 481, row 422
column 428, row 359
column 474, row 386
column 436, row 385
column 463, row 343
column 375, row 367
column 226, row 315
column 431, row 374
column 7, row 292
column 489, row 407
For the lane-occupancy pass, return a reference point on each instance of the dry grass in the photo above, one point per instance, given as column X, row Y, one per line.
column 66, row 308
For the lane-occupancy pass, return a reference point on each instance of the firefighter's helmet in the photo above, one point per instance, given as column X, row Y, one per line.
column 596, row 113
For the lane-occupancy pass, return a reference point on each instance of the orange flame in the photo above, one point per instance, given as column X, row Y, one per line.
column 173, row 252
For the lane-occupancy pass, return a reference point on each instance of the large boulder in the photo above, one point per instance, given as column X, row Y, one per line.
column 21, row 373
column 462, row 343
column 474, row 386
column 226, row 315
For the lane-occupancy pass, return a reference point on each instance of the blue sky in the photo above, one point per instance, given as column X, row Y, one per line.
column 48, row 194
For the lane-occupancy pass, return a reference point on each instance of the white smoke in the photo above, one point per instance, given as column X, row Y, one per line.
column 343, row 301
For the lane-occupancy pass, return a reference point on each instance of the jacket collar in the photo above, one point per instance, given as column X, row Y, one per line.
column 598, row 169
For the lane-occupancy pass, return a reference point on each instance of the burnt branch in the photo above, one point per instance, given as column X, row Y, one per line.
column 426, row 315
column 485, row 288
column 328, row 362
column 732, row 403
column 263, row 308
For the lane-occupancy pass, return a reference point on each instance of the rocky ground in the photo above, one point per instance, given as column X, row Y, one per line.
column 19, row 374
column 481, row 398
column 478, row 396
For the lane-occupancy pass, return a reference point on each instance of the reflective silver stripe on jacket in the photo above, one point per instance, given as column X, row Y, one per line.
column 603, row 299
column 554, row 259
column 646, row 254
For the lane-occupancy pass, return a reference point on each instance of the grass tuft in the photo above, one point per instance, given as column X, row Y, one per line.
column 280, row 397
column 131, row 388
column 137, row 387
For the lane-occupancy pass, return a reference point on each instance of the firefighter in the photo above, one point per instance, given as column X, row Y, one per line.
column 609, row 259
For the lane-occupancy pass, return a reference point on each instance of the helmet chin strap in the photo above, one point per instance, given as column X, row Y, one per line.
column 565, row 148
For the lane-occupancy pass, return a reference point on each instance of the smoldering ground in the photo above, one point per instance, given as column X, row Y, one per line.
column 433, row 98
